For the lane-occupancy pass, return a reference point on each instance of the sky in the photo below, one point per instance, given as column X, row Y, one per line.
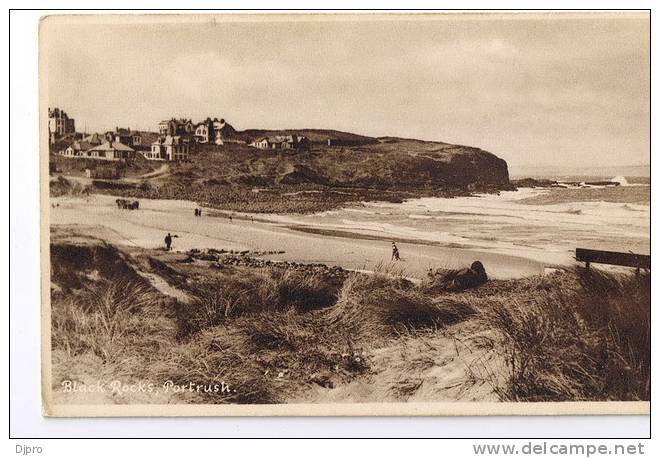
column 570, row 90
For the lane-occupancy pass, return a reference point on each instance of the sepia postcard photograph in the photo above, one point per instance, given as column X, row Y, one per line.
column 328, row 214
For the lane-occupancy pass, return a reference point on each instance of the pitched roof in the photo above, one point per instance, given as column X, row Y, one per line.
column 280, row 138
column 79, row 145
column 116, row 146
column 95, row 137
column 82, row 145
column 168, row 140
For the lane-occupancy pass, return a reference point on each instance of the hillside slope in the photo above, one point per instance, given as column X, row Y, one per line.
column 237, row 177
column 384, row 163
column 415, row 163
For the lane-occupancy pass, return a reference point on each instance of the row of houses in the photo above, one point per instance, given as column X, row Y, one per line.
column 119, row 135
column 114, row 146
column 172, row 144
column 282, row 142
column 214, row 131
column 174, row 141
column 166, row 148
column 109, row 151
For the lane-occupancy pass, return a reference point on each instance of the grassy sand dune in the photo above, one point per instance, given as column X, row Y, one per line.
column 286, row 333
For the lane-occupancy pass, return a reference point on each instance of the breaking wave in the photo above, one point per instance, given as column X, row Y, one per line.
column 621, row 180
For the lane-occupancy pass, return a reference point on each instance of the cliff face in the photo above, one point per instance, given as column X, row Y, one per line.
column 387, row 163
column 413, row 163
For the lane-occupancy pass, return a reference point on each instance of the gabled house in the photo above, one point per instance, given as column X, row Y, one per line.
column 281, row 142
column 125, row 136
column 110, row 151
column 202, row 132
column 169, row 148
column 261, row 143
column 214, row 131
column 176, row 127
column 76, row 149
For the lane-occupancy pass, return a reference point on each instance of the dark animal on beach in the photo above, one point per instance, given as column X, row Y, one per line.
column 459, row 280
column 127, row 204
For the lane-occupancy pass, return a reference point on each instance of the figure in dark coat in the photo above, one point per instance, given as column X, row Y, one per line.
column 395, row 252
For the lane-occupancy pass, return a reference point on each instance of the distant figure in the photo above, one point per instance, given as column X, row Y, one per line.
column 231, row 220
column 168, row 241
column 199, row 212
column 395, row 252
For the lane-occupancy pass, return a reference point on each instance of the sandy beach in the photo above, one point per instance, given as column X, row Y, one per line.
column 98, row 216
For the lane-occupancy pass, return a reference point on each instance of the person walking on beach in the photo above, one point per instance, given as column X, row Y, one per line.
column 196, row 212
column 395, row 252
column 168, row 241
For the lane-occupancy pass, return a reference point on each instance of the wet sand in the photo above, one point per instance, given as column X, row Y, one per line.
column 98, row 216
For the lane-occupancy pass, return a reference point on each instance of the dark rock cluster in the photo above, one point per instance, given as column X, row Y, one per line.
column 221, row 258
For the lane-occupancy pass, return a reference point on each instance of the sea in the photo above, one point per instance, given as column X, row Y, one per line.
column 542, row 224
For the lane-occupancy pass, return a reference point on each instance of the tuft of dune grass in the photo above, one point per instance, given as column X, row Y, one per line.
column 107, row 318
column 380, row 305
column 579, row 335
column 266, row 357
column 269, row 289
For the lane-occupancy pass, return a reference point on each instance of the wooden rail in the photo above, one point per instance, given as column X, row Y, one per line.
column 639, row 261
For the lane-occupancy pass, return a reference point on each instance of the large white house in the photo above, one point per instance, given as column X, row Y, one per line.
column 202, row 132
column 169, row 148
column 213, row 131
